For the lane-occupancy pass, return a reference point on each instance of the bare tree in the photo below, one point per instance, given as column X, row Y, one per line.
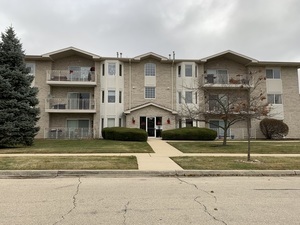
column 240, row 98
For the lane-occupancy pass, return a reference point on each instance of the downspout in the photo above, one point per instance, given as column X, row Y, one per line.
column 130, row 88
column 172, row 80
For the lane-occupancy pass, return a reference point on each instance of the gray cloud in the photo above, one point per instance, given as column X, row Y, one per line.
column 266, row 30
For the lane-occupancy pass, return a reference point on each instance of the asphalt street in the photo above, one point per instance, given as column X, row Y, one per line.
column 154, row 200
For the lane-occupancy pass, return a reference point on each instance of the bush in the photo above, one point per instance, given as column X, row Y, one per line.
column 124, row 134
column 189, row 133
column 273, row 129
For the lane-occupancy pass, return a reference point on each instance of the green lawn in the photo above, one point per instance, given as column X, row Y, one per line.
column 237, row 163
column 68, row 163
column 81, row 146
column 261, row 147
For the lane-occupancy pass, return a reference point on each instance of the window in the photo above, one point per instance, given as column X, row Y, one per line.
column 196, row 97
column 120, row 96
column 150, row 69
column 79, row 100
column 110, row 122
column 217, row 76
column 274, row 99
column 188, row 97
column 31, row 71
column 218, row 102
column 103, row 97
column 111, row 68
column 111, row 96
column 103, row 69
column 149, row 92
column 188, row 70
column 120, row 70
column 196, row 70
column 179, row 97
column 120, row 122
column 78, row 128
column 217, row 125
column 31, row 68
column 179, row 71
column 273, row 74
column 189, row 123
column 78, row 73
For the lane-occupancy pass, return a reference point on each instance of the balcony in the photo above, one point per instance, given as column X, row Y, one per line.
column 71, row 78
column 70, row 105
column 68, row 133
column 225, row 81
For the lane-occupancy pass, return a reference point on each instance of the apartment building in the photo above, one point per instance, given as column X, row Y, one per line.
column 80, row 93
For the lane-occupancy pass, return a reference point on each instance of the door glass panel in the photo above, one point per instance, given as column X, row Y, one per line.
column 151, row 126
column 143, row 122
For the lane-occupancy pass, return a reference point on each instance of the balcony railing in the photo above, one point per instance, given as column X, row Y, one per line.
column 68, row 133
column 226, row 80
column 70, row 76
column 70, row 104
column 236, row 133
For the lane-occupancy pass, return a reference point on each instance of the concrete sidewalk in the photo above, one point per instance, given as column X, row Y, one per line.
column 159, row 161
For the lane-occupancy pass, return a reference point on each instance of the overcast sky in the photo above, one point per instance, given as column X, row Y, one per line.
column 267, row 30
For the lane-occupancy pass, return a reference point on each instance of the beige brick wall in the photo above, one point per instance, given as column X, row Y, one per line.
column 291, row 100
column 64, row 63
column 233, row 68
column 164, row 91
column 44, row 89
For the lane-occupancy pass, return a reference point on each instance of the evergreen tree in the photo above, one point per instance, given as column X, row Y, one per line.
column 18, row 100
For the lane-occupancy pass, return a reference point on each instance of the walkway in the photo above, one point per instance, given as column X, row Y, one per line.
column 159, row 160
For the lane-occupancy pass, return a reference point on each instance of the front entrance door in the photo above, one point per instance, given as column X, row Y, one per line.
column 152, row 125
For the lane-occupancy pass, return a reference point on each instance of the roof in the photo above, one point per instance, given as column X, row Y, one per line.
column 147, row 105
column 231, row 55
column 70, row 51
column 150, row 55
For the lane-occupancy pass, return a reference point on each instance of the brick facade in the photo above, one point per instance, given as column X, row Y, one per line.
column 170, row 81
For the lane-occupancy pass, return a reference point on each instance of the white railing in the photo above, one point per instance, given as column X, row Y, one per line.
column 235, row 133
column 70, row 103
column 68, row 133
column 67, row 75
column 226, row 79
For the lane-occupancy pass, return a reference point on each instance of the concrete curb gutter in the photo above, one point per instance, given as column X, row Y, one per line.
column 35, row 174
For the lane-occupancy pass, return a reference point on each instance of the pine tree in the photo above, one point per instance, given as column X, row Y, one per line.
column 18, row 100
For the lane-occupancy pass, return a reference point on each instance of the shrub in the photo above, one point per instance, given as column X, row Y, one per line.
column 273, row 129
column 189, row 133
column 124, row 134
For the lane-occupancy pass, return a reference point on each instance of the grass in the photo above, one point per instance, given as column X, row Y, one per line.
column 259, row 147
column 68, row 163
column 237, row 163
column 81, row 146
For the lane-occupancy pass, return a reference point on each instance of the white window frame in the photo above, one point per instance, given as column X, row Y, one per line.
column 32, row 71
column 188, row 69
column 188, row 97
column 150, row 69
column 111, row 122
column 111, row 96
column 274, row 74
column 111, row 67
column 276, row 99
column 150, row 92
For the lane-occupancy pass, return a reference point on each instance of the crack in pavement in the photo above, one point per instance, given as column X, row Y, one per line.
column 125, row 212
column 200, row 203
column 74, row 202
column 183, row 181
column 207, row 212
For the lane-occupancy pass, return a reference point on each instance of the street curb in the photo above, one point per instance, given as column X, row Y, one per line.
column 35, row 174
